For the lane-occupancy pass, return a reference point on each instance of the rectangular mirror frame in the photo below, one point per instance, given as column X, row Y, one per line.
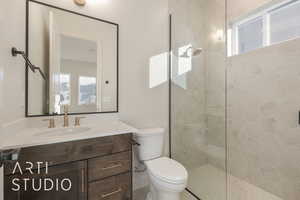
column 27, row 53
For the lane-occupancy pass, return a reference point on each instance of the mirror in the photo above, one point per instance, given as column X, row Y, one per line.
column 79, row 55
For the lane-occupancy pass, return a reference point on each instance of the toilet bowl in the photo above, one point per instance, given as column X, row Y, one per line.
column 168, row 178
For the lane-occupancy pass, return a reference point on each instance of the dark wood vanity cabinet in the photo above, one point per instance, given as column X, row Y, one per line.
column 98, row 168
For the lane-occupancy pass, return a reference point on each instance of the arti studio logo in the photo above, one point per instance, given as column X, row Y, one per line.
column 39, row 184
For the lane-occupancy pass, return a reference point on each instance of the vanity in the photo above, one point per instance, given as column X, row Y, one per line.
column 93, row 165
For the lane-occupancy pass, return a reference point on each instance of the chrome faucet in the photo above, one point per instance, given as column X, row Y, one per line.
column 66, row 116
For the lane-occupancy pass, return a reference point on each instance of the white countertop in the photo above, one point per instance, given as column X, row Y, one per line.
column 12, row 138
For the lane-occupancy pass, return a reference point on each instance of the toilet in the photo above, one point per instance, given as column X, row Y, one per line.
column 168, row 178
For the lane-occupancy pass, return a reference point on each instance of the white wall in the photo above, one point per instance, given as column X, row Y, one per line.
column 39, row 56
column 143, row 34
column 12, row 78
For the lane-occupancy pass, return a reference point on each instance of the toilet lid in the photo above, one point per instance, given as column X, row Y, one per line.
column 167, row 170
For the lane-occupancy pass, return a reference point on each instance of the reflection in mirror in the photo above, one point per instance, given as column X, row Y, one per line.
column 79, row 56
column 270, row 23
column 77, row 85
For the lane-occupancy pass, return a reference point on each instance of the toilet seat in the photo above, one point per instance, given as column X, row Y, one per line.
column 167, row 170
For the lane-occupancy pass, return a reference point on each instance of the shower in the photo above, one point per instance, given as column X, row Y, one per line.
column 233, row 119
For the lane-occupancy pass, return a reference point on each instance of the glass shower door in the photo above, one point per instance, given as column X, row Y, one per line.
column 198, row 94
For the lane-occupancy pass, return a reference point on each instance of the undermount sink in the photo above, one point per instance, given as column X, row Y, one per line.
column 63, row 131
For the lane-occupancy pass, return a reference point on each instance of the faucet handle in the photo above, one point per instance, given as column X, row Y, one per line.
column 51, row 122
column 77, row 120
column 66, row 108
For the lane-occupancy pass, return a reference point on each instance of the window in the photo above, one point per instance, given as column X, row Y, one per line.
column 248, row 42
column 285, row 22
column 275, row 24
column 87, row 90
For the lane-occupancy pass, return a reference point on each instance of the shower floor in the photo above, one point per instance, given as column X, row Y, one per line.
column 208, row 182
column 141, row 194
column 187, row 196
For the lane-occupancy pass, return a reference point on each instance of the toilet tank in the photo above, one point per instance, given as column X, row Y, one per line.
column 151, row 143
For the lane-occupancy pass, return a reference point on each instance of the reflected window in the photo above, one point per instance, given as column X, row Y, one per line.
column 65, row 89
column 63, row 94
column 271, row 25
column 87, row 90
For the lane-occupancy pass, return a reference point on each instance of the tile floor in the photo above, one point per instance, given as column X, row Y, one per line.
column 209, row 183
column 140, row 194
column 186, row 196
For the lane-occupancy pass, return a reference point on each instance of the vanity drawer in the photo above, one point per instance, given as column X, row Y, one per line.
column 60, row 153
column 113, row 188
column 99, row 168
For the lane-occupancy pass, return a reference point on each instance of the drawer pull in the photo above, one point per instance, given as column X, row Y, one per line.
column 112, row 193
column 82, row 180
column 112, row 167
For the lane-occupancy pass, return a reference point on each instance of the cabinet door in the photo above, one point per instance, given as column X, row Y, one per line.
column 68, row 180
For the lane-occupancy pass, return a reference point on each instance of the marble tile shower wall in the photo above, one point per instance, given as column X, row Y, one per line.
column 188, row 91
column 199, row 106
column 215, row 51
column 263, row 130
column 263, row 104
